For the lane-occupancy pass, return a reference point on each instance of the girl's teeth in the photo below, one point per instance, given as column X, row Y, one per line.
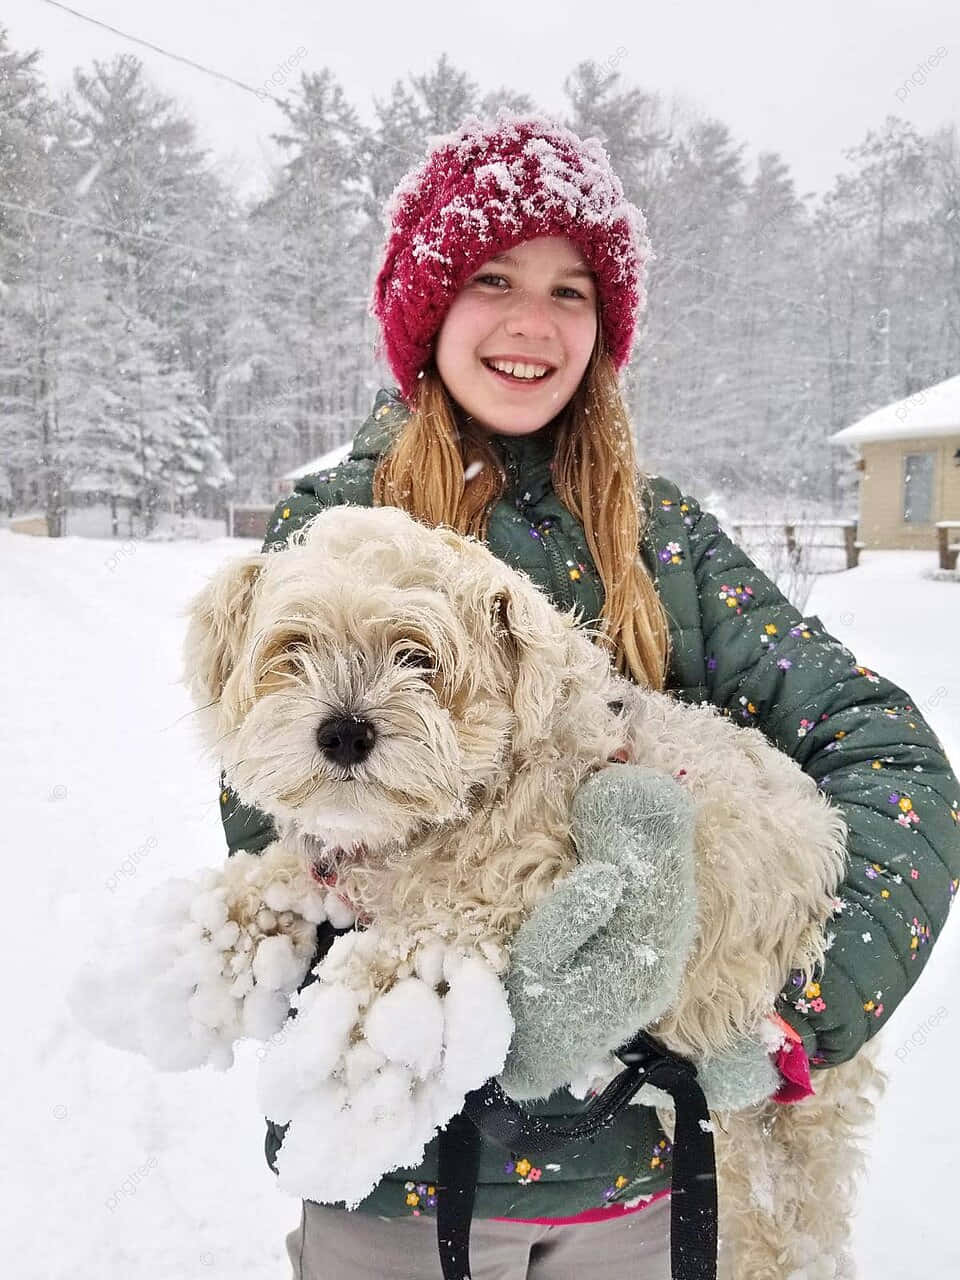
column 524, row 372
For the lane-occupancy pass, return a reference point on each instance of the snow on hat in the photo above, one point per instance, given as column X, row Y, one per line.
column 481, row 190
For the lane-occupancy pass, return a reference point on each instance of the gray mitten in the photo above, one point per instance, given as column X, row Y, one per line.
column 604, row 953
column 743, row 1075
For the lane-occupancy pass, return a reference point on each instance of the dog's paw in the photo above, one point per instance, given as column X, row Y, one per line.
column 210, row 964
column 378, row 1071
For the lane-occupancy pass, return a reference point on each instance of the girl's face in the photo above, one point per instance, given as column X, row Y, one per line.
column 534, row 305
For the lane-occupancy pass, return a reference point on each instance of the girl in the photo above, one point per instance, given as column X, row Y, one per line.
column 507, row 298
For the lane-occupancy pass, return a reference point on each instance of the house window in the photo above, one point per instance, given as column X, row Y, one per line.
column 918, row 488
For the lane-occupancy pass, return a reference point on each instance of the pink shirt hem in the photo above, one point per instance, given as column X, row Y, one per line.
column 591, row 1215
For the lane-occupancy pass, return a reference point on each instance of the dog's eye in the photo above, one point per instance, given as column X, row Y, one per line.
column 420, row 658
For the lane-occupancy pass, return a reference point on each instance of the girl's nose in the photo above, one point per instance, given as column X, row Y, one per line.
column 529, row 317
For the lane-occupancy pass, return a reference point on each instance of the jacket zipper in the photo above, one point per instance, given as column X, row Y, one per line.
column 557, row 565
column 555, row 560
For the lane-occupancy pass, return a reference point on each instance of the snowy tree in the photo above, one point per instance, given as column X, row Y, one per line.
column 144, row 187
column 24, row 125
column 691, row 328
column 156, row 421
column 627, row 120
column 777, row 317
column 47, row 247
column 447, row 96
column 165, row 343
column 931, row 350
column 312, row 279
column 255, row 414
column 874, row 210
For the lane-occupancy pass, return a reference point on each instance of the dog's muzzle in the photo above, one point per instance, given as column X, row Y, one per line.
column 346, row 740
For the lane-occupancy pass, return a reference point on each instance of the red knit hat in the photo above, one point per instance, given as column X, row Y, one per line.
column 483, row 189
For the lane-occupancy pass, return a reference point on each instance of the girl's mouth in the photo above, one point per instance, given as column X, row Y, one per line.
column 518, row 383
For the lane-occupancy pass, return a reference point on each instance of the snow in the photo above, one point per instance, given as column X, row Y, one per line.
column 178, row 937
column 934, row 411
column 113, row 1169
column 406, row 1025
column 374, row 1073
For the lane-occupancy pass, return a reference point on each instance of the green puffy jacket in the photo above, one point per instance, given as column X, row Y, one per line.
column 738, row 643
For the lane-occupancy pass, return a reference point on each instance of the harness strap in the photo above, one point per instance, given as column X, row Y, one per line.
column 488, row 1110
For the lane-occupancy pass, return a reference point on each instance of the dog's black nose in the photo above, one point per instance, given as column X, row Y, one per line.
column 346, row 739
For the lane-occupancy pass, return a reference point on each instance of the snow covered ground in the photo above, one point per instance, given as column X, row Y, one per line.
column 112, row 1170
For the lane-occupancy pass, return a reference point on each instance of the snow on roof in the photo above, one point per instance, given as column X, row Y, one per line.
column 323, row 463
column 934, row 411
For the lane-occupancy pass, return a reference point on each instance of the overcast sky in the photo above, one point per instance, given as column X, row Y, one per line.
column 805, row 80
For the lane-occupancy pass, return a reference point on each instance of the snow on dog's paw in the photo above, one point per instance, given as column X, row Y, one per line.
column 478, row 1026
column 379, row 1071
column 406, row 1026
column 209, row 964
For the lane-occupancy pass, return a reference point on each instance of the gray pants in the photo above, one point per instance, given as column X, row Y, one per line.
column 332, row 1244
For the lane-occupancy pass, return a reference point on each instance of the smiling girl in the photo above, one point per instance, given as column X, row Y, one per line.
column 517, row 338
column 507, row 298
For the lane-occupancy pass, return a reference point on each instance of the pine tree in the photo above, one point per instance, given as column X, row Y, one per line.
column 147, row 178
column 311, row 226
column 870, row 221
column 24, row 125
column 690, row 334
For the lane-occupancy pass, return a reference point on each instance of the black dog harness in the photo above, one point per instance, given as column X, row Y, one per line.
column 489, row 1111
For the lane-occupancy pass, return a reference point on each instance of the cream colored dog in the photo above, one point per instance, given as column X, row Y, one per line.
column 417, row 717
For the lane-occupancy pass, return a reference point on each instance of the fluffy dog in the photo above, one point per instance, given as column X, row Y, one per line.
column 417, row 718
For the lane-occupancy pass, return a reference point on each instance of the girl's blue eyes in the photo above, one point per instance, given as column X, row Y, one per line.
column 481, row 279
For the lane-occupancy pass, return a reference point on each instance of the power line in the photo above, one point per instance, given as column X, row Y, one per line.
column 297, row 273
column 263, row 93
column 177, row 57
column 113, row 231
column 260, row 94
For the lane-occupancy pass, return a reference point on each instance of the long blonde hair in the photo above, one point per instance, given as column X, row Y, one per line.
column 595, row 475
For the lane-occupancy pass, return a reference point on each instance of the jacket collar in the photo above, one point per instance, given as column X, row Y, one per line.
column 525, row 459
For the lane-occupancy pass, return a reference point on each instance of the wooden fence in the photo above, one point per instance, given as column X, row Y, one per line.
column 848, row 531
column 948, row 543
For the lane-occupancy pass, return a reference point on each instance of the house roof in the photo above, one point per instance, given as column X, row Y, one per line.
column 935, row 411
column 323, row 463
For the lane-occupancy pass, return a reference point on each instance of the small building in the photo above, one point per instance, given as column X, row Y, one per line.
column 284, row 484
column 909, row 460
column 249, row 520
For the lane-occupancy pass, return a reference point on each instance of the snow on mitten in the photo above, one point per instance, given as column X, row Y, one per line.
column 375, row 1072
column 213, row 960
column 604, row 953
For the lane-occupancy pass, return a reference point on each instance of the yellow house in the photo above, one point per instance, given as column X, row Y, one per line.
column 909, row 460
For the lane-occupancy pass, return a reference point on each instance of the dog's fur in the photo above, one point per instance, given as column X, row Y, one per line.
column 458, row 821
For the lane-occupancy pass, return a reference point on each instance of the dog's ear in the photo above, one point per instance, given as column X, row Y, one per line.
column 218, row 616
column 537, row 643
